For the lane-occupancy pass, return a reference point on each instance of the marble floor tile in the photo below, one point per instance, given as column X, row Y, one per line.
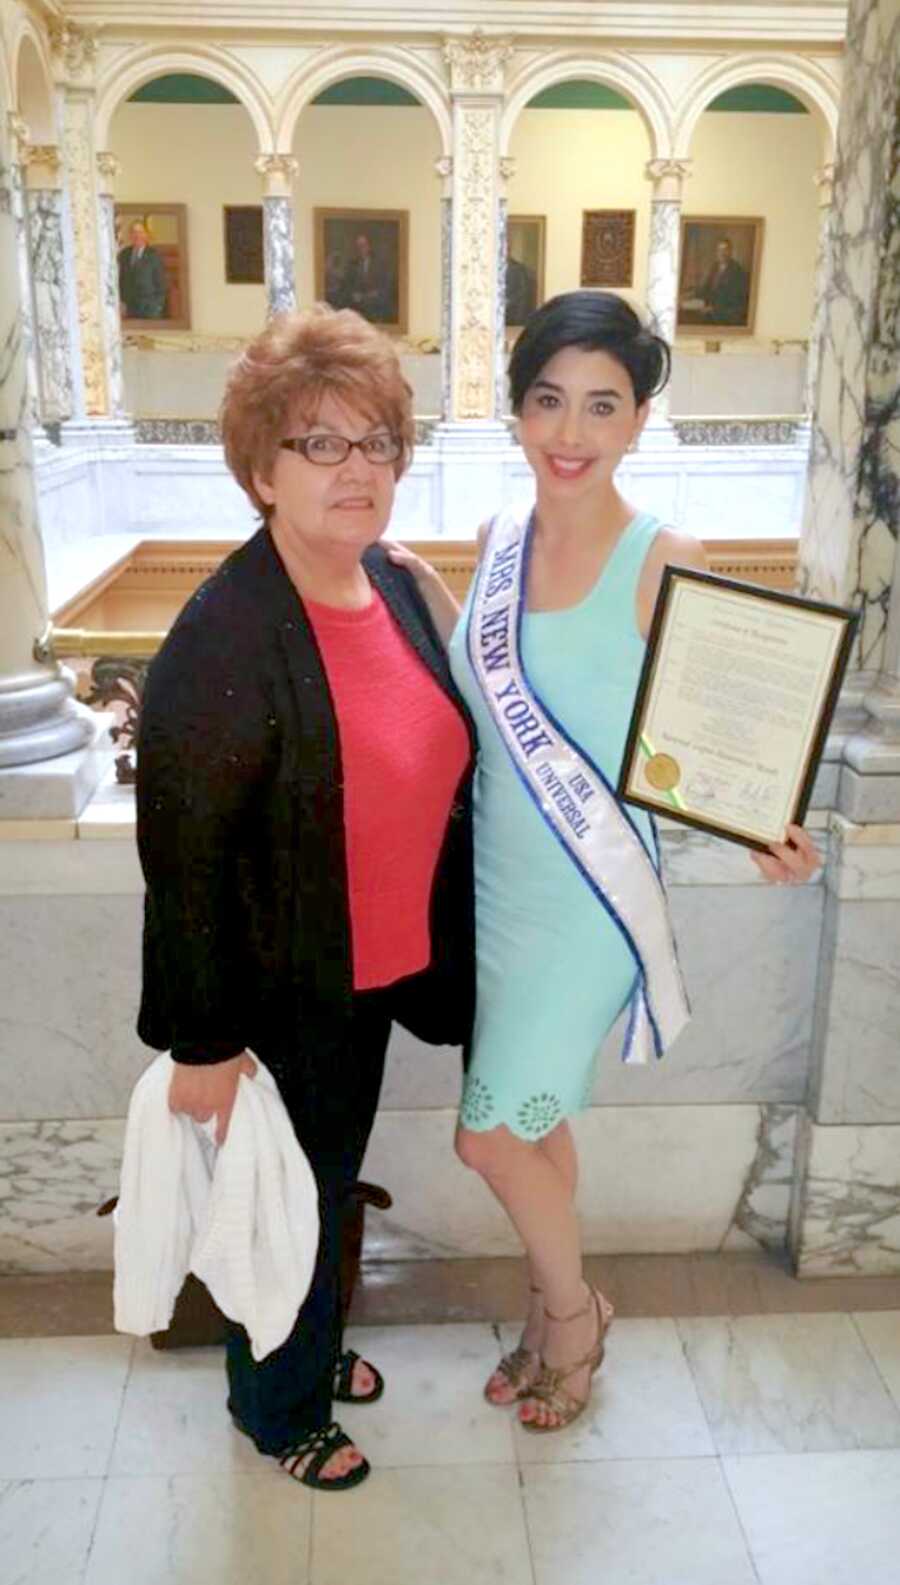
column 231, row 1527
column 820, row 1519
column 433, row 1410
column 45, row 1529
column 634, row 1520
column 644, row 1403
column 61, row 1399
column 174, row 1420
column 788, row 1384
column 405, row 1527
column 881, row 1335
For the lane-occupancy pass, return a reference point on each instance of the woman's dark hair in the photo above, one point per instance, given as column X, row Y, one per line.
column 596, row 322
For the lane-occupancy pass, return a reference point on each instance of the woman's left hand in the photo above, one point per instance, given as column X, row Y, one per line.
column 791, row 862
column 402, row 556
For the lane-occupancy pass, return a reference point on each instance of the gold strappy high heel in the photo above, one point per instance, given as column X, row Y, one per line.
column 520, row 1368
column 550, row 1388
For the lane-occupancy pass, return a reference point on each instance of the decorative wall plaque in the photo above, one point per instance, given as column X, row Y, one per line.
column 607, row 247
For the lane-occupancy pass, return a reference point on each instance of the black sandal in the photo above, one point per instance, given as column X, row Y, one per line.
column 343, row 1380
column 322, row 1444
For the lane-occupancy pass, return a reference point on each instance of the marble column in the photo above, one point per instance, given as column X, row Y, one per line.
column 278, row 172
column 74, row 51
column 44, row 205
column 444, row 169
column 667, row 177
column 846, row 1202
column 108, row 168
column 824, row 181
column 476, row 66
column 18, row 138
column 38, row 718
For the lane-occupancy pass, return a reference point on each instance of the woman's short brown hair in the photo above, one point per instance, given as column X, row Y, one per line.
column 286, row 371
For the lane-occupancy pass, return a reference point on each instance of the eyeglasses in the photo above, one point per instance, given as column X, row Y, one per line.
column 330, row 450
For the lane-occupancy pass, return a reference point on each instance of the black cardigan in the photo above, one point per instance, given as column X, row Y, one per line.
column 240, row 825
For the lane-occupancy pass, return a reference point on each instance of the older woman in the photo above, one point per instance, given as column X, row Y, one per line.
column 303, row 821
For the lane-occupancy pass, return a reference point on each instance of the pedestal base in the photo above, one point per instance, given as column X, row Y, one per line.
column 59, row 788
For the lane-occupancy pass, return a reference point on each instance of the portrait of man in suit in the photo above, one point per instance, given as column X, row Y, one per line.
column 366, row 283
column 362, row 259
column 142, row 277
column 726, row 288
column 719, row 274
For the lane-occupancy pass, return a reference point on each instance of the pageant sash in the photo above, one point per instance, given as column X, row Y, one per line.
column 573, row 797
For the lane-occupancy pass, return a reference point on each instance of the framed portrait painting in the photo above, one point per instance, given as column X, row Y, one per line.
column 152, row 253
column 362, row 262
column 607, row 247
column 243, row 237
column 718, row 281
column 525, row 244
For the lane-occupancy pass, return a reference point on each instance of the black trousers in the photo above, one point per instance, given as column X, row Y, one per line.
column 281, row 1398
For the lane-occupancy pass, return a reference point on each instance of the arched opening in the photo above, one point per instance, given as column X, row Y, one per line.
column 750, row 229
column 186, row 147
column 34, row 99
column 578, row 203
column 367, row 207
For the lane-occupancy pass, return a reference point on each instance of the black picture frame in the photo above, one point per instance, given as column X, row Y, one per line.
column 846, row 619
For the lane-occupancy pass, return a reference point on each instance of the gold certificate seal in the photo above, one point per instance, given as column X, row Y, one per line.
column 663, row 772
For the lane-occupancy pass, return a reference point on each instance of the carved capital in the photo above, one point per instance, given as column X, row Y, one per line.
column 43, row 165
column 74, row 50
column 278, row 172
column 108, row 168
column 17, row 129
column 46, row 154
column 507, row 167
column 476, row 62
column 667, row 176
column 443, row 167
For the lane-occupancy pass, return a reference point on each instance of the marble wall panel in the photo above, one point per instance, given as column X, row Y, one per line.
column 69, row 987
column 845, row 1215
column 749, row 959
column 78, row 903
column 856, row 1038
column 653, row 1179
column 53, row 1177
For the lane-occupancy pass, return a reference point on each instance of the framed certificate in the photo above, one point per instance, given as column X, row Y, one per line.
column 735, row 698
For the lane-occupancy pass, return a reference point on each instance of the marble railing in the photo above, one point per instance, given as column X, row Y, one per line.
column 691, row 431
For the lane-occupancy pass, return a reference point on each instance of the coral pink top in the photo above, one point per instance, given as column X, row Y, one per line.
column 404, row 748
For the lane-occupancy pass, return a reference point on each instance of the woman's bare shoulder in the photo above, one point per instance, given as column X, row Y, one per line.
column 684, row 550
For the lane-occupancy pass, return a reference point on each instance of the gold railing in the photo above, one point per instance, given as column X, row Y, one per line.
column 85, row 643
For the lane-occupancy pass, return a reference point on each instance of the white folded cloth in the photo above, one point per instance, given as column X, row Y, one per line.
column 243, row 1218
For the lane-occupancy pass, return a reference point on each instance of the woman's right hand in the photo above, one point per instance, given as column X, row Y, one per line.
column 202, row 1092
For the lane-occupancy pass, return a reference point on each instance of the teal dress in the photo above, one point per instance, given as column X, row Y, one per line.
column 553, row 969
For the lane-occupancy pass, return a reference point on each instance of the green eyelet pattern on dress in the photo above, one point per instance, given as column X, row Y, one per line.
column 477, row 1103
column 539, row 1114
